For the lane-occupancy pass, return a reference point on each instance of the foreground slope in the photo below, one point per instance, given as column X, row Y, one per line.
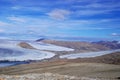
column 113, row 58
column 91, row 70
column 89, row 67
column 43, row 76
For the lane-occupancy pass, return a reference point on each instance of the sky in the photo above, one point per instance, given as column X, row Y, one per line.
column 32, row 19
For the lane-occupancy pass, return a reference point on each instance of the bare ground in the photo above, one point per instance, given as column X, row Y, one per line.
column 64, row 67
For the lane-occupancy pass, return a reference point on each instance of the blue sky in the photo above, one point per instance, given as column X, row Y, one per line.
column 31, row 19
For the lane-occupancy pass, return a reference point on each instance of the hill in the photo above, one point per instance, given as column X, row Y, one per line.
column 77, row 45
column 25, row 45
column 102, row 67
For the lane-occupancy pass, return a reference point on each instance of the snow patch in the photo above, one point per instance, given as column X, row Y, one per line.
column 43, row 46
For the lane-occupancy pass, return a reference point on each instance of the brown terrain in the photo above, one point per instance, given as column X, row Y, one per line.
column 113, row 58
column 25, row 45
column 77, row 45
column 43, row 76
column 103, row 67
column 81, row 47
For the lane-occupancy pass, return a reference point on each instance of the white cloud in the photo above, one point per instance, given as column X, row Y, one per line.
column 4, row 37
column 115, row 34
column 103, row 5
column 3, row 23
column 1, row 30
column 59, row 14
column 16, row 7
column 92, row 28
column 32, row 8
column 96, row 8
column 92, row 12
column 17, row 19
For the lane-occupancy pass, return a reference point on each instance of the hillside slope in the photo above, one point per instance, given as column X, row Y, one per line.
column 89, row 67
column 113, row 58
column 78, row 46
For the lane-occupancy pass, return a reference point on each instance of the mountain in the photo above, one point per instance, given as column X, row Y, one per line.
column 85, row 45
column 113, row 58
column 40, row 39
column 77, row 45
column 109, row 44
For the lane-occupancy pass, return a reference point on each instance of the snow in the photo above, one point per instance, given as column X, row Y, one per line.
column 43, row 46
column 28, row 54
column 88, row 55
column 25, row 54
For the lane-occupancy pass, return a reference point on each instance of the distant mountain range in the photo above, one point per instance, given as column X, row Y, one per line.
column 109, row 44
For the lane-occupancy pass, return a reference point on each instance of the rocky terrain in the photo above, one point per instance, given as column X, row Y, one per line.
column 80, row 46
column 25, row 45
column 104, row 67
column 100, row 45
column 113, row 58
column 43, row 76
column 65, row 71
column 109, row 44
